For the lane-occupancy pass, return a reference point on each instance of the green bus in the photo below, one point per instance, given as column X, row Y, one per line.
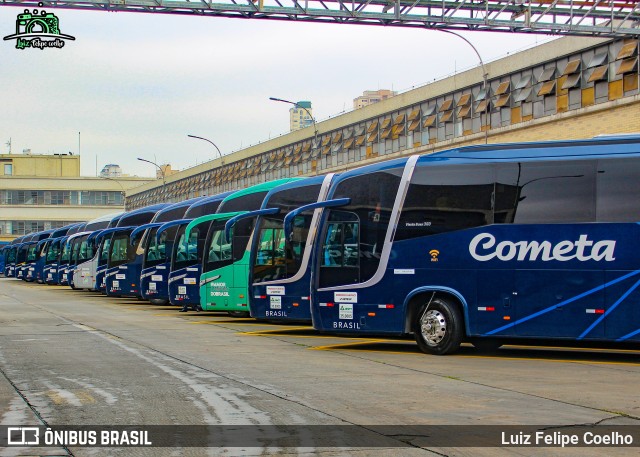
column 224, row 283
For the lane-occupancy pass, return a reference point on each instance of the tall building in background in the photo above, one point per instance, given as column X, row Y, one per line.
column 41, row 192
column 111, row 170
column 167, row 170
column 369, row 97
column 300, row 116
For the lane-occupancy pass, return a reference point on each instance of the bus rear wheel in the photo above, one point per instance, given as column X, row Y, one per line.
column 239, row 314
column 438, row 327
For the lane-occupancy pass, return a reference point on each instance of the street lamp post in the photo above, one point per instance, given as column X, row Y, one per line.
column 315, row 128
column 209, row 141
column 123, row 192
column 161, row 173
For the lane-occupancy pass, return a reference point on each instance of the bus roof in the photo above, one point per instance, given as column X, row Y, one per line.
column 598, row 146
column 62, row 230
column 210, row 218
column 37, row 236
column 101, row 222
column 508, row 152
column 174, row 211
column 76, row 235
column 140, row 215
column 262, row 187
column 77, row 228
column 302, row 182
column 206, row 205
column 17, row 241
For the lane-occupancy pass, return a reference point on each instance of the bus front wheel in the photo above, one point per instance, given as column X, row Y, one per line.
column 438, row 327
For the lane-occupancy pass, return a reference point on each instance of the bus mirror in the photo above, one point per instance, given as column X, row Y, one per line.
column 288, row 219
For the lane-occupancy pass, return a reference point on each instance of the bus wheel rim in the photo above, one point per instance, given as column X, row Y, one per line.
column 433, row 326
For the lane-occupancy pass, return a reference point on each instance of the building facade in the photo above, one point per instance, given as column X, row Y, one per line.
column 41, row 192
column 300, row 116
column 570, row 88
column 369, row 97
column 49, row 166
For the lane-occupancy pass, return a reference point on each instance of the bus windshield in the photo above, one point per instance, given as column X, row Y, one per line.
column 219, row 247
column 155, row 253
column 121, row 250
column 22, row 254
column 66, row 253
column 103, row 258
column 75, row 248
column 53, row 252
column 274, row 256
column 32, row 254
column 187, row 254
column 86, row 250
column 277, row 258
column 354, row 234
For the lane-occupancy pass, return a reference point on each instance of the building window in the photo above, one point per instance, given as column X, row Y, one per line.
column 8, row 169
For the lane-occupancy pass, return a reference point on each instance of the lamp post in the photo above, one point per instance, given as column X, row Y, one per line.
column 123, row 192
column 485, row 75
column 161, row 172
column 209, row 141
column 315, row 129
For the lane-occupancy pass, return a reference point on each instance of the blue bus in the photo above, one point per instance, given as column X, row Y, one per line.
column 184, row 262
column 224, row 282
column 280, row 273
column 156, row 253
column 83, row 248
column 83, row 274
column 99, row 263
column 36, row 261
column 11, row 256
column 3, row 250
column 36, row 266
column 50, row 254
column 124, row 264
column 26, row 271
column 483, row 244
column 60, row 277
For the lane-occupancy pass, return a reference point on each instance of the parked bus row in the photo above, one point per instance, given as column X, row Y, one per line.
column 483, row 244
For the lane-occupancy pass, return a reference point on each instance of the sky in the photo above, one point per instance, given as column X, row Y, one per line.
column 135, row 85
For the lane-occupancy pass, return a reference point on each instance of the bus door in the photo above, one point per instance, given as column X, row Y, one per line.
column 121, row 252
column 186, row 265
column 51, row 261
column 10, row 262
column 154, row 277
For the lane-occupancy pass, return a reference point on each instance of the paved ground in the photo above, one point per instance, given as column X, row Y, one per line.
column 79, row 358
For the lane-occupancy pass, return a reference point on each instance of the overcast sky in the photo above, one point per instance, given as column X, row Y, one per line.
column 135, row 85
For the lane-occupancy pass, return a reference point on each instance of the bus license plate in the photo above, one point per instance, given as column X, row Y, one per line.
column 276, row 302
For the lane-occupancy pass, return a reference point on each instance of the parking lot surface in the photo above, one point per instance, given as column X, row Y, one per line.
column 80, row 358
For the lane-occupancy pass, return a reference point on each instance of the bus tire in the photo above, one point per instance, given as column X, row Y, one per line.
column 438, row 327
column 239, row 313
